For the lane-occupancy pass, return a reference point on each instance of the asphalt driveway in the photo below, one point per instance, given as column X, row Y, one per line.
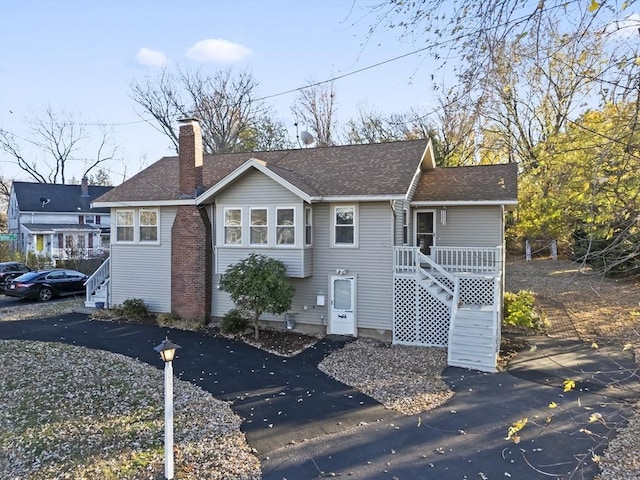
column 305, row 425
column 283, row 400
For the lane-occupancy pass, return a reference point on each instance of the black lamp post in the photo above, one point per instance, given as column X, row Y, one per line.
column 167, row 350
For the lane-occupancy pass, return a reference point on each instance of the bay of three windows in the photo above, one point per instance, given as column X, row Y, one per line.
column 264, row 226
column 261, row 227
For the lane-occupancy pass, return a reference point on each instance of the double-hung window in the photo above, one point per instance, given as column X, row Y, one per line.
column 344, row 225
column 259, row 226
column 285, row 226
column 124, row 225
column 308, row 239
column 232, row 226
column 148, row 227
column 405, row 226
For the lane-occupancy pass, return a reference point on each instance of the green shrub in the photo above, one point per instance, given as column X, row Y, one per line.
column 520, row 310
column 258, row 284
column 135, row 308
column 234, row 322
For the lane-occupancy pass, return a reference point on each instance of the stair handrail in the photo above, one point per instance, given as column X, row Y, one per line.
column 97, row 278
column 422, row 258
column 454, row 306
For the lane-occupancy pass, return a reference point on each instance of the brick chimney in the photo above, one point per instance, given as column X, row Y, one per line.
column 84, row 187
column 191, row 243
column 190, row 156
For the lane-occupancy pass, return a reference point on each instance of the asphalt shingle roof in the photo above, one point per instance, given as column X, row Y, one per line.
column 350, row 170
column 358, row 170
column 471, row 183
column 49, row 227
column 62, row 198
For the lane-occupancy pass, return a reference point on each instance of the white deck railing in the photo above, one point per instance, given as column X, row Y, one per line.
column 468, row 259
column 485, row 260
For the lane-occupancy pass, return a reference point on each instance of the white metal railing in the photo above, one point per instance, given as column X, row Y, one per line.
column 468, row 259
column 97, row 278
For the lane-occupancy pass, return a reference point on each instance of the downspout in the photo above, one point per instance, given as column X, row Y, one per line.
column 394, row 230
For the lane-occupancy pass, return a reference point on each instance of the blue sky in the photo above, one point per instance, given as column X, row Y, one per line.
column 81, row 56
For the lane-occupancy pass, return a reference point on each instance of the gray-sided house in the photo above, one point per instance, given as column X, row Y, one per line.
column 56, row 221
column 377, row 241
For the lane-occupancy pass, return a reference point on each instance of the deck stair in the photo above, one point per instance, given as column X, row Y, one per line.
column 97, row 286
column 437, row 290
column 451, row 298
column 473, row 338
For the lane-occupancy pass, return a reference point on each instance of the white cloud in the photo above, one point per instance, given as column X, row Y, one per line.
column 151, row 58
column 217, row 50
column 625, row 28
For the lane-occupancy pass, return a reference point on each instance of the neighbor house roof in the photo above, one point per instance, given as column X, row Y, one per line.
column 61, row 198
column 59, row 227
column 350, row 170
column 477, row 183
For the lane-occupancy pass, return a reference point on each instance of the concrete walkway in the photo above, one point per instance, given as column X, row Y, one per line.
column 305, row 425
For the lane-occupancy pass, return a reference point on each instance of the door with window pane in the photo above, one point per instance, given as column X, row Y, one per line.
column 342, row 319
column 425, row 231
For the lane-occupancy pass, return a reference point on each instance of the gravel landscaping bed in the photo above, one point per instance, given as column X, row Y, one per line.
column 74, row 413
column 25, row 309
column 404, row 379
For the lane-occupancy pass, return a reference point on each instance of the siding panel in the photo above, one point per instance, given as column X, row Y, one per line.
column 470, row 227
column 144, row 271
column 292, row 258
column 258, row 189
column 371, row 262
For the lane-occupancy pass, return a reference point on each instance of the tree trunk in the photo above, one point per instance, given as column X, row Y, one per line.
column 256, row 331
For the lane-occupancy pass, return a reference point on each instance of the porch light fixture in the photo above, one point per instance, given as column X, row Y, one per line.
column 320, row 299
column 443, row 216
column 167, row 350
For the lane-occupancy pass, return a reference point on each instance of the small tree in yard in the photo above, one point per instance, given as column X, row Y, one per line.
column 258, row 284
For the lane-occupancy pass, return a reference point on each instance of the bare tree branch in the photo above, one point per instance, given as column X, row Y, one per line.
column 316, row 108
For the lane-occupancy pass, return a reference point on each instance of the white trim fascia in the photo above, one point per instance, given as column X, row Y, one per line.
column 74, row 212
column 261, row 167
column 414, row 184
column 427, row 161
column 461, row 203
column 357, row 198
column 143, row 203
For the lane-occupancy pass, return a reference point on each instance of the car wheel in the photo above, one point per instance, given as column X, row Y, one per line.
column 45, row 294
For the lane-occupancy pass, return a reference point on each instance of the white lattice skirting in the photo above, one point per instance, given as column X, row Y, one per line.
column 419, row 317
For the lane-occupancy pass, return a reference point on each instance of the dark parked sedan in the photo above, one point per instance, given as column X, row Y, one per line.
column 45, row 284
column 9, row 270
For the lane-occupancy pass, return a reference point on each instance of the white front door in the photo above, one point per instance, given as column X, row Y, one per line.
column 342, row 317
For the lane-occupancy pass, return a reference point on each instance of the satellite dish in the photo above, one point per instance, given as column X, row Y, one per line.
column 44, row 201
column 306, row 138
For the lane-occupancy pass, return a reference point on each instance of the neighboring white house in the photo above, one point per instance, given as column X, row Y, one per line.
column 377, row 240
column 57, row 222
